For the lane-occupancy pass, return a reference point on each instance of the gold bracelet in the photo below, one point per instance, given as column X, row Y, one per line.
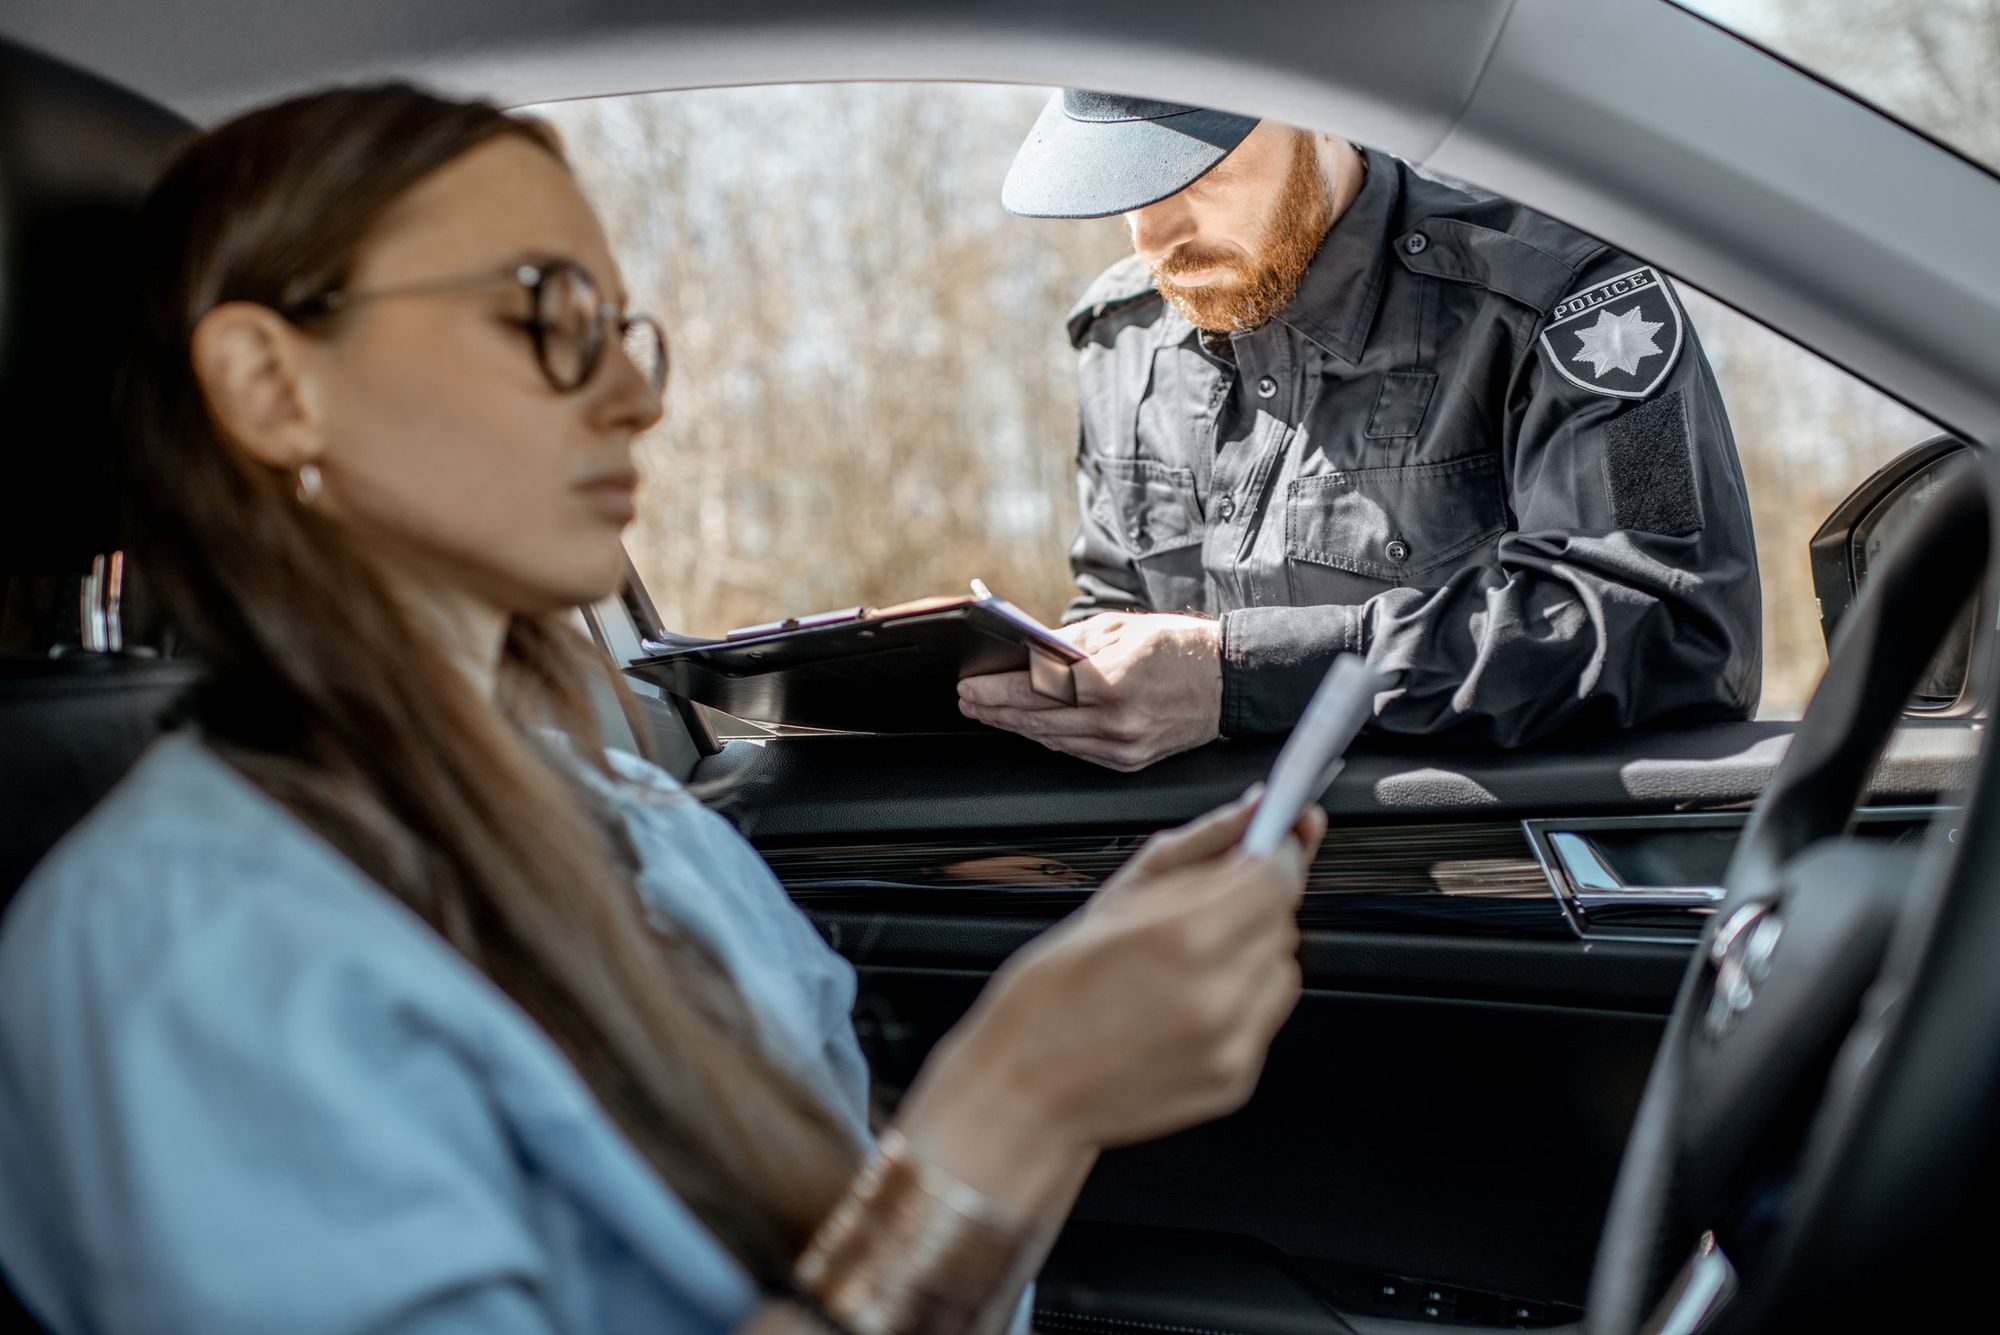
column 910, row 1250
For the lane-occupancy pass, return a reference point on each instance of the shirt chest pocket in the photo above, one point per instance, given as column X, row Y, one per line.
column 1397, row 525
column 1149, row 505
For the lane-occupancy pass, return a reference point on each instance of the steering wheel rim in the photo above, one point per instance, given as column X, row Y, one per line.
column 1777, row 1113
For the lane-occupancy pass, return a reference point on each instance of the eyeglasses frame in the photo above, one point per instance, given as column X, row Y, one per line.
column 531, row 278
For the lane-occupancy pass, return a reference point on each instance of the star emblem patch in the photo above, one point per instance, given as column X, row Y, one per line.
column 1619, row 337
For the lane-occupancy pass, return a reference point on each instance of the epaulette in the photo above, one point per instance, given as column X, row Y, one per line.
column 1536, row 272
column 1122, row 284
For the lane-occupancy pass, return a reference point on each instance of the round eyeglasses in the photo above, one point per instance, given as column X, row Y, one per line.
column 568, row 319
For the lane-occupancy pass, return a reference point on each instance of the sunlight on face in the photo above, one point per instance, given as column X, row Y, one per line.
column 450, row 453
column 1229, row 250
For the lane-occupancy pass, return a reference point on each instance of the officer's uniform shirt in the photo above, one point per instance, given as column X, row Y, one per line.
column 1533, row 530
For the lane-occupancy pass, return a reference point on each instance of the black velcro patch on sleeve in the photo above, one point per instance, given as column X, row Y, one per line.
column 1649, row 466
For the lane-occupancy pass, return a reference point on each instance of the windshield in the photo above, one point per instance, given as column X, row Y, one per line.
column 1934, row 64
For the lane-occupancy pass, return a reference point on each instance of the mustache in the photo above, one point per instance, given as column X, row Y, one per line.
column 1185, row 261
column 1264, row 280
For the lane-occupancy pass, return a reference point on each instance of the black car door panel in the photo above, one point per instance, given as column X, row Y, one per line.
column 1439, row 1123
column 885, row 786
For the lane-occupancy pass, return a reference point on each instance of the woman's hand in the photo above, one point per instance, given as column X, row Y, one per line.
column 1149, row 1011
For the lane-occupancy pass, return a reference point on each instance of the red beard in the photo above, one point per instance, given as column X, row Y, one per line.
column 1252, row 291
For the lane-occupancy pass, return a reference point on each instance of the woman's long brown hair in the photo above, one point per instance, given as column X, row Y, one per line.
column 324, row 696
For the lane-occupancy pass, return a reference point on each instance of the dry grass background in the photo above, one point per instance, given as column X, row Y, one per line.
column 872, row 398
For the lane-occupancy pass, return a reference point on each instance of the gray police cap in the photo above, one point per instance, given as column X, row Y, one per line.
column 1091, row 155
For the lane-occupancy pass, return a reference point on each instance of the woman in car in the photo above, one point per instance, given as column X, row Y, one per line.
column 382, row 997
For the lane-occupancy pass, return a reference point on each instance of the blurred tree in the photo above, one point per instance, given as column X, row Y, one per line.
column 1935, row 64
column 1807, row 432
column 872, row 398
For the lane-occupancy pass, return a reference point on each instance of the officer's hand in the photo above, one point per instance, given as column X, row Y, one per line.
column 1152, row 686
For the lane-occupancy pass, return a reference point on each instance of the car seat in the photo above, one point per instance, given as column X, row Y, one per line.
column 76, row 154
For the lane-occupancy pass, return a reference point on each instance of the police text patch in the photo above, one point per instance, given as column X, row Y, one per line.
column 1620, row 337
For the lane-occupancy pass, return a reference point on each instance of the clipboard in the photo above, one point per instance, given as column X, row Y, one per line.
column 863, row 669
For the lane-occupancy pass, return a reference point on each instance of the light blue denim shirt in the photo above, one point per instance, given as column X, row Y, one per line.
column 243, row 1089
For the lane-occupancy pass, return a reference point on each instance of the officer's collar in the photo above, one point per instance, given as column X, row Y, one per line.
column 1336, row 300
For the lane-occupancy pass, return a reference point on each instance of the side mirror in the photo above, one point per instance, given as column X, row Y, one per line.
column 1872, row 518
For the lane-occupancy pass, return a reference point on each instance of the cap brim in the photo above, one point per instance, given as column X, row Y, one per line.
column 1092, row 169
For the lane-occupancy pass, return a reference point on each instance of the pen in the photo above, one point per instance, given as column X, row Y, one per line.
column 979, row 589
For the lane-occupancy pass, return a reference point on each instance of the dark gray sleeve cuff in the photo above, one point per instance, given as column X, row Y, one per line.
column 1273, row 659
column 1094, row 595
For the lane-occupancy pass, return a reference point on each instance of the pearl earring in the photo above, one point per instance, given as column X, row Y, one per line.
column 309, row 482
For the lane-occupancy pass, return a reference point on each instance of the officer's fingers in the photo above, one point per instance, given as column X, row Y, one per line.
column 1110, row 752
column 1012, row 690
column 1111, row 755
column 1125, row 757
column 1092, row 686
column 1094, row 624
column 1082, row 736
column 1059, row 721
column 1093, row 633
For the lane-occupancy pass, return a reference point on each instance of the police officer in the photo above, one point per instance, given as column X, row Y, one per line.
column 1330, row 404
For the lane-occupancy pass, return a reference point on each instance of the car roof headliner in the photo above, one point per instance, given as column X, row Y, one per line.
column 1638, row 122
column 209, row 59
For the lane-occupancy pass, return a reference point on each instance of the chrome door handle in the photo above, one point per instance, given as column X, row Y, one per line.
column 1597, row 885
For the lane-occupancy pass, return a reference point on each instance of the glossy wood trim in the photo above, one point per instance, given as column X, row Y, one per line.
column 1469, row 876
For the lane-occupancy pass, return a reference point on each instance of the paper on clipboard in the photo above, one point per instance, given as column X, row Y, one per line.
column 864, row 669
column 1312, row 755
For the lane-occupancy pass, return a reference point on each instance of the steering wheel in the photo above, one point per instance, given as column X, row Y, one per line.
column 1829, row 1077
